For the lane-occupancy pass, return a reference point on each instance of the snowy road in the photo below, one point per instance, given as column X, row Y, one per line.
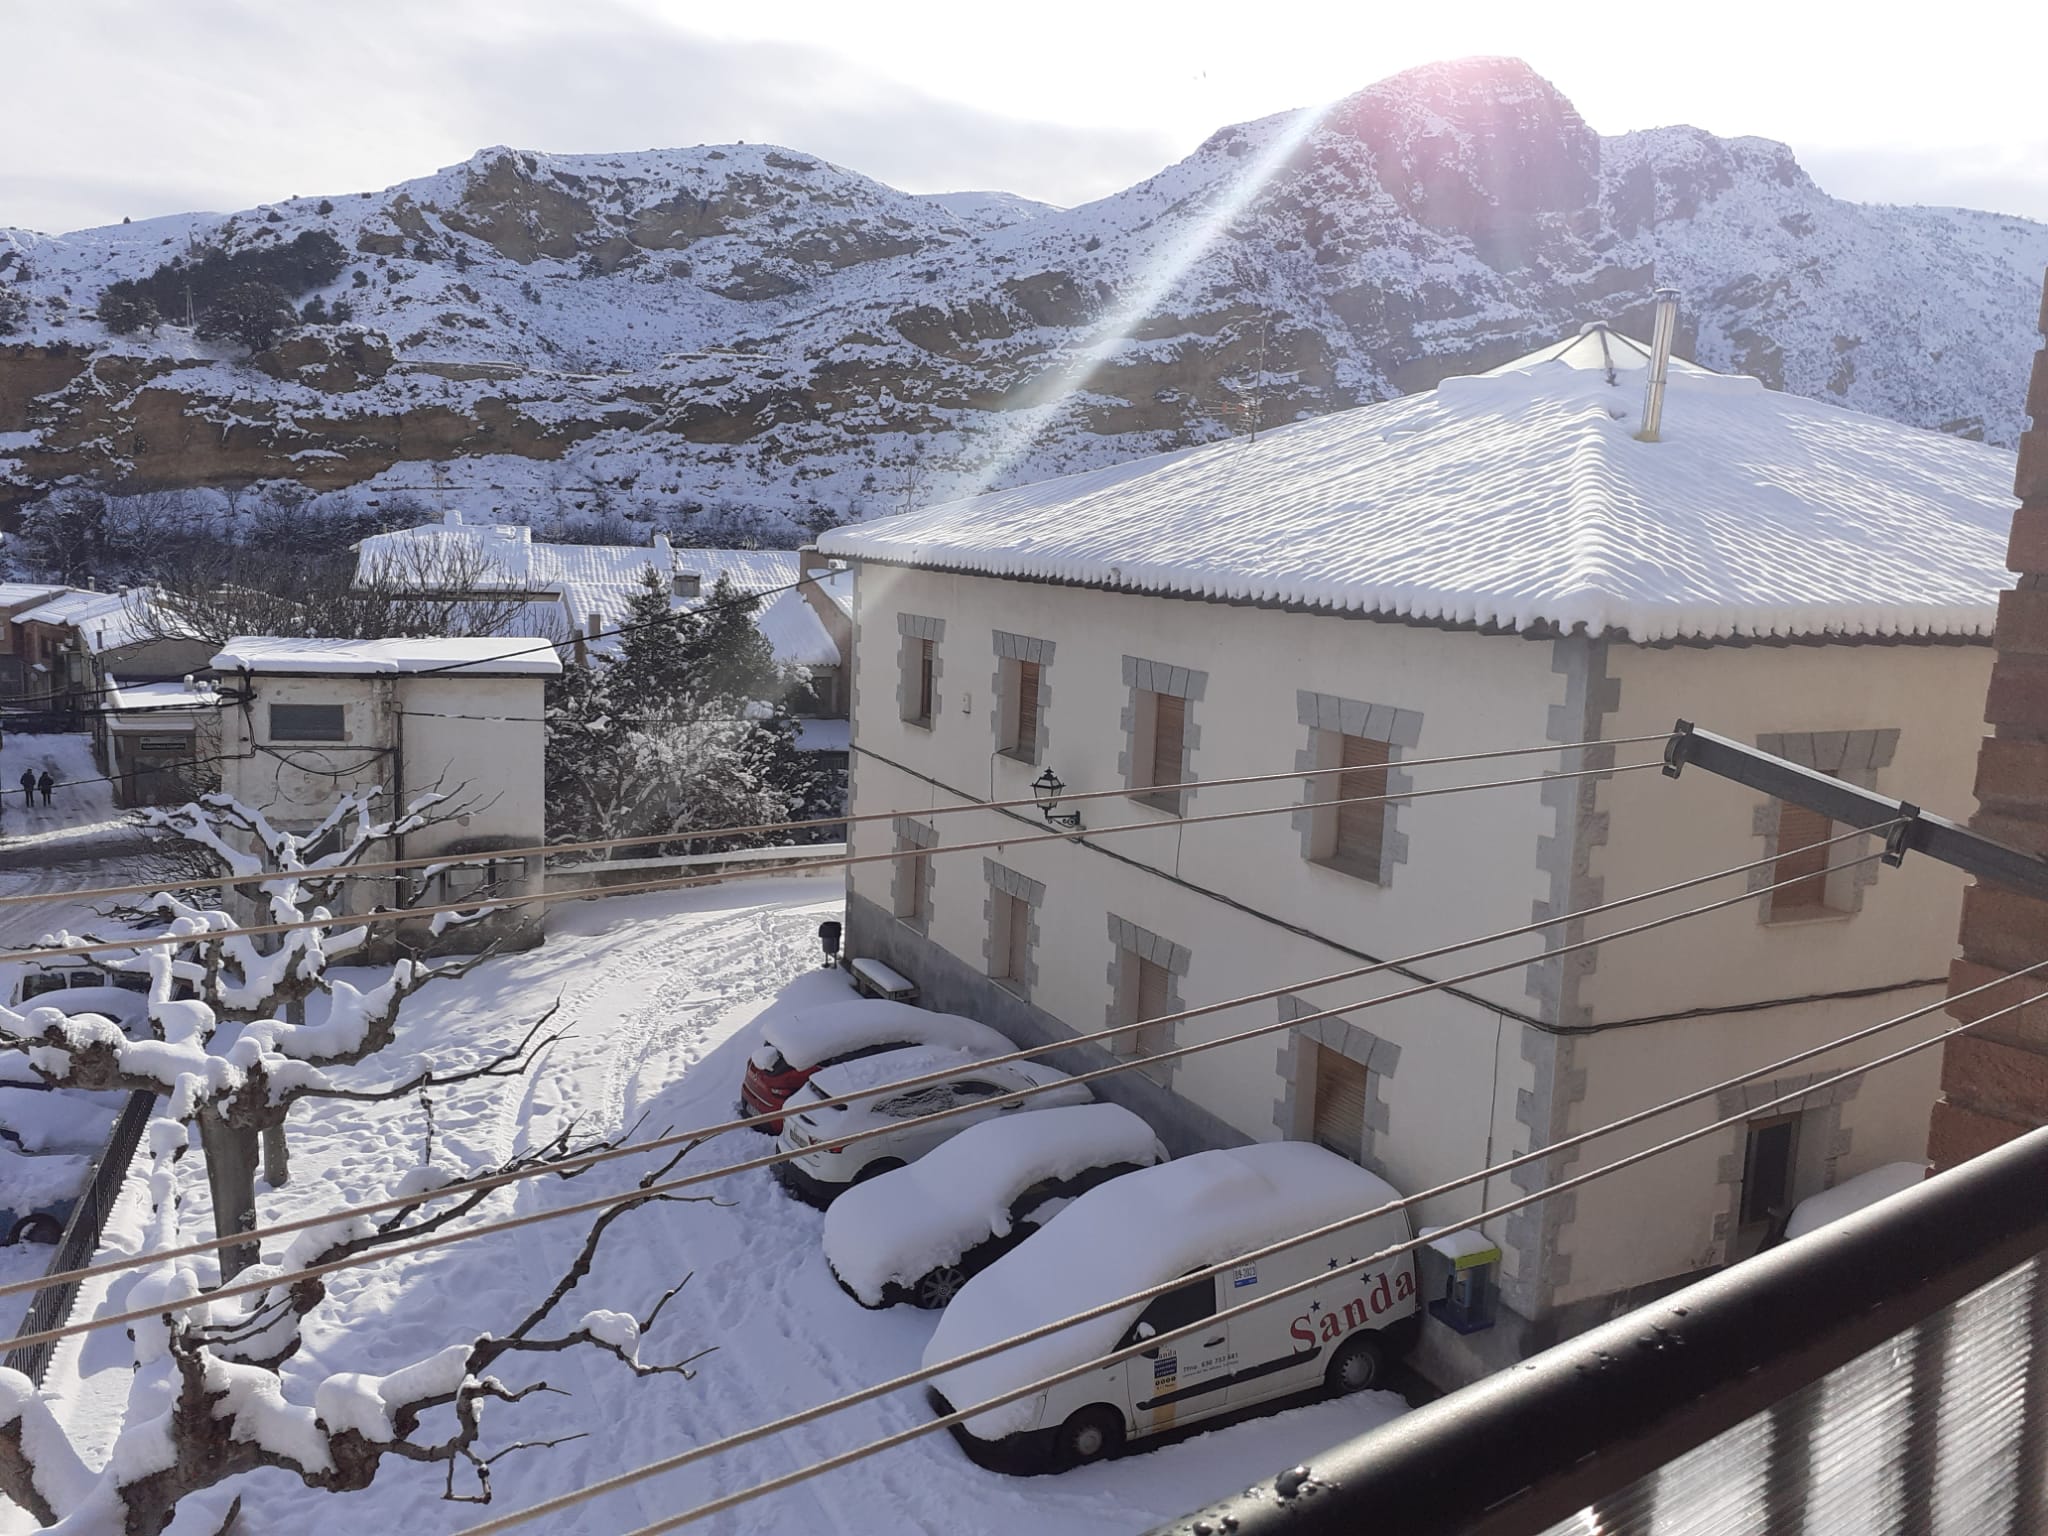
column 657, row 992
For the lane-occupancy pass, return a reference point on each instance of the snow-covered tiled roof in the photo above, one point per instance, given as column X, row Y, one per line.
column 72, row 607
column 472, row 657
column 23, row 594
column 1522, row 496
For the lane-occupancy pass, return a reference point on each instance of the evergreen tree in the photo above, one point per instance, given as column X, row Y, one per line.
column 254, row 314
column 729, row 660
column 125, row 309
column 651, row 676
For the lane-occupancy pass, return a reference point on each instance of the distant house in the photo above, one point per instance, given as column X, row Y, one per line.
column 309, row 721
column 578, row 593
column 17, row 597
column 1502, row 562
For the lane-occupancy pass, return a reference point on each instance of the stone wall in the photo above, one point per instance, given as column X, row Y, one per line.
column 1995, row 1079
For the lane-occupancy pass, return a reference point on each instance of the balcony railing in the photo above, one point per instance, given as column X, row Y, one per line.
column 1888, row 1373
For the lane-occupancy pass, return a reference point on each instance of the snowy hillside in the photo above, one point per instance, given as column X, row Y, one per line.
column 751, row 333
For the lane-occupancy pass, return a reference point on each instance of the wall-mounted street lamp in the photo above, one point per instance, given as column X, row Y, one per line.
column 1047, row 789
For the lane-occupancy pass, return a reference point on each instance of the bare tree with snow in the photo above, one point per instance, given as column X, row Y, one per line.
column 209, row 1401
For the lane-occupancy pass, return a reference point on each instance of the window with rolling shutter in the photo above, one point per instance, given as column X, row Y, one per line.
column 1009, row 938
column 1800, row 860
column 1152, row 996
column 1024, row 731
column 1340, row 1093
column 1169, row 734
column 927, row 679
column 1361, row 824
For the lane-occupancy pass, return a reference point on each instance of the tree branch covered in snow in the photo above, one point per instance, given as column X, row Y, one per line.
column 212, row 1371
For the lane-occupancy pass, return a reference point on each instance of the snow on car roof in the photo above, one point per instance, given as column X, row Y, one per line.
column 929, row 1213
column 1521, row 497
column 1125, row 1236
column 885, row 1068
column 807, row 1035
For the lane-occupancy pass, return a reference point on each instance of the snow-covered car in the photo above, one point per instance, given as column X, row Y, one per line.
column 828, row 1165
column 1144, row 1230
column 916, row 1234
column 795, row 1042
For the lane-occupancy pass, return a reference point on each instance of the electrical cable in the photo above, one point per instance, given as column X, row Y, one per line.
column 815, row 823
column 585, row 1160
column 1405, row 1203
column 544, row 898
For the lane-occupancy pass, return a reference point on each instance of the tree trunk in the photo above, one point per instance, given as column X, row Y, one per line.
column 277, row 1167
column 231, row 1180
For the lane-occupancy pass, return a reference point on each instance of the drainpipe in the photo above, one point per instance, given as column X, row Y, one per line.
column 1660, row 364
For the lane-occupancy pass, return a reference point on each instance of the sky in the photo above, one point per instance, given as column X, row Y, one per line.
column 142, row 107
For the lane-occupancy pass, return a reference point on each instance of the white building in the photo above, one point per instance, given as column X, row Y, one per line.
column 1498, row 563
column 309, row 721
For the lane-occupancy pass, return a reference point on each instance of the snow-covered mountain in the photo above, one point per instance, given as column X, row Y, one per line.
column 752, row 332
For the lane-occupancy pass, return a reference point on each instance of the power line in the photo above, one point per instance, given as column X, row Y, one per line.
column 959, row 1416
column 774, row 1158
column 810, row 824
column 543, row 898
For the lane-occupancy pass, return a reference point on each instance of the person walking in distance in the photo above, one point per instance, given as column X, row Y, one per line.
column 46, row 784
column 28, row 786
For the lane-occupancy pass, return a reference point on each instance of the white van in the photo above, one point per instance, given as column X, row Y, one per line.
column 1142, row 1230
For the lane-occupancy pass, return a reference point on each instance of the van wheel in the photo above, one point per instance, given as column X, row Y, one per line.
column 1356, row 1365
column 877, row 1168
column 1092, row 1434
column 939, row 1286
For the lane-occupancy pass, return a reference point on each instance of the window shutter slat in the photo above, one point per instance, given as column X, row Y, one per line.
column 1361, row 825
column 1798, row 829
column 1027, row 709
column 1340, row 1104
column 1169, row 731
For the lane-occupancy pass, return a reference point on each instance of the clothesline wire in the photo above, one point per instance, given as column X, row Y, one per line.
column 470, row 909
column 772, row 1159
column 1209, row 1272
column 816, row 823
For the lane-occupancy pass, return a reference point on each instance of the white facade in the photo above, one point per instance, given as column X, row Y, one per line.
column 309, row 721
column 1499, row 564
column 1455, row 1082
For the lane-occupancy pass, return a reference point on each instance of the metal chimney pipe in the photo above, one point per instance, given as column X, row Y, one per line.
column 1661, row 337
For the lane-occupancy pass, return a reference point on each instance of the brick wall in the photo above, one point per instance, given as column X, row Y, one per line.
column 1995, row 1080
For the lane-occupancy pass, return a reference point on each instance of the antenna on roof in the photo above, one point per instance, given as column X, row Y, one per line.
column 1660, row 363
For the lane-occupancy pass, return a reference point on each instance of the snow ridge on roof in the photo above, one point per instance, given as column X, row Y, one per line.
column 474, row 657
column 1521, row 497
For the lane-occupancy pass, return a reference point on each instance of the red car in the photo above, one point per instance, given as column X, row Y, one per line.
column 795, row 1042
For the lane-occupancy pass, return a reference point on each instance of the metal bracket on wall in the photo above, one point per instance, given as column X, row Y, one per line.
column 1907, row 828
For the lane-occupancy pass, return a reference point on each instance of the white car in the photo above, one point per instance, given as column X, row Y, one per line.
column 803, row 1036
column 916, row 1234
column 829, row 1166
column 1143, row 1230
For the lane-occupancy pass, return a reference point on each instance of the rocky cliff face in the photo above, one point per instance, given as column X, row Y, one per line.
column 753, row 333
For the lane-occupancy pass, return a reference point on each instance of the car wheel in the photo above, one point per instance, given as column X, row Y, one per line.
column 40, row 1227
column 1094, row 1433
column 877, row 1168
column 938, row 1286
column 1356, row 1365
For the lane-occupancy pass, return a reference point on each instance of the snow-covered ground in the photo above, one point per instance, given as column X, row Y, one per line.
column 659, row 993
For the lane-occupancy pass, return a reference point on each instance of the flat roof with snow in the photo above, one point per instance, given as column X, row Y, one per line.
column 1520, row 499
column 472, row 657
